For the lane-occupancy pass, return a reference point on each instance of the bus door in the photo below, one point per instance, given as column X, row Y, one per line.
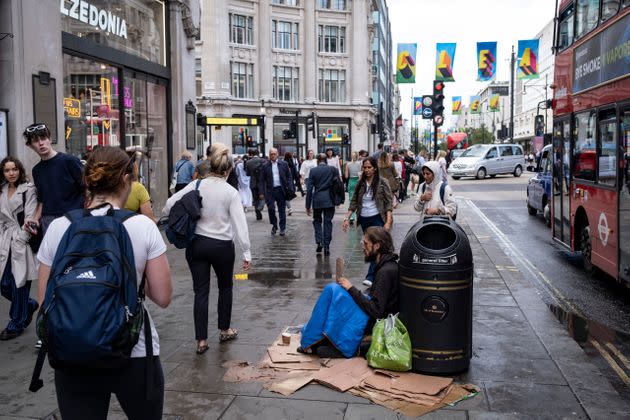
column 560, row 185
column 624, row 193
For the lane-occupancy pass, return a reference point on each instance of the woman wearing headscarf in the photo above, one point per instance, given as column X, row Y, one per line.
column 429, row 200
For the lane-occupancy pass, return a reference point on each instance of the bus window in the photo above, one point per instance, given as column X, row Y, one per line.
column 587, row 16
column 584, row 150
column 565, row 34
column 609, row 8
column 626, row 3
column 607, row 168
column 625, row 145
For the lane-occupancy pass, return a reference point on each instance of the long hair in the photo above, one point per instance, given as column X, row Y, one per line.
column 362, row 181
column 383, row 160
column 378, row 235
column 22, row 178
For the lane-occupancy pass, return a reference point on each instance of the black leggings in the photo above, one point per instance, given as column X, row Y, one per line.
column 86, row 394
column 202, row 255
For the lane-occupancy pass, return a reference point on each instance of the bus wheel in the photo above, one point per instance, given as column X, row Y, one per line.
column 481, row 173
column 586, row 248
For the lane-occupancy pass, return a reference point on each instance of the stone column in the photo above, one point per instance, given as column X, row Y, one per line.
column 309, row 47
column 263, row 44
column 215, row 56
column 359, row 71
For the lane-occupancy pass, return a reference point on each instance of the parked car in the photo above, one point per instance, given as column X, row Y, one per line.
column 539, row 186
column 481, row 160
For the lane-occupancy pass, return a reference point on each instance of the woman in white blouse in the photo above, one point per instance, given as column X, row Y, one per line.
column 222, row 221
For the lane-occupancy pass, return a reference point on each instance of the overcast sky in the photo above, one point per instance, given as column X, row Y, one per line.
column 465, row 22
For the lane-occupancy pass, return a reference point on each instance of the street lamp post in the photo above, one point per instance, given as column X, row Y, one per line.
column 262, row 118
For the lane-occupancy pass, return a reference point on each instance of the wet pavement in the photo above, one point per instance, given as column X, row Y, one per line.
column 524, row 360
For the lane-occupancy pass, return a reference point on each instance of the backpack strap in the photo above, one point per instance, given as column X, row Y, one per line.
column 197, row 184
column 148, row 344
column 36, row 381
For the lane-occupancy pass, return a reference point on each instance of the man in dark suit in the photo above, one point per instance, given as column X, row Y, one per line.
column 274, row 185
column 318, row 189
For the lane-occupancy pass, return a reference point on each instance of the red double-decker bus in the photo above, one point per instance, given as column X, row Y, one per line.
column 591, row 139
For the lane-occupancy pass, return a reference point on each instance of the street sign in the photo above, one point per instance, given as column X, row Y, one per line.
column 427, row 101
column 290, row 111
column 427, row 113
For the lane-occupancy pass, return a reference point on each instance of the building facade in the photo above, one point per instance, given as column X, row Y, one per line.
column 102, row 73
column 273, row 58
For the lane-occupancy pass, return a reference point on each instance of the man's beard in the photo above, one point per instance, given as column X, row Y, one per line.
column 371, row 257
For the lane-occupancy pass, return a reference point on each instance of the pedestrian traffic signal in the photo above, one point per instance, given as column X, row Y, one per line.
column 345, row 139
column 286, row 134
column 438, row 99
column 539, row 125
column 201, row 120
column 293, row 128
column 311, row 124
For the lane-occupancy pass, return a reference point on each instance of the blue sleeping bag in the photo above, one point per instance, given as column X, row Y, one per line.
column 337, row 317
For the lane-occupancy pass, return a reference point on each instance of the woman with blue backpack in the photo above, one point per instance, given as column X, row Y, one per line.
column 98, row 335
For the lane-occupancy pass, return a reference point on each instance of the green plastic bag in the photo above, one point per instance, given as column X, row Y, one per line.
column 391, row 345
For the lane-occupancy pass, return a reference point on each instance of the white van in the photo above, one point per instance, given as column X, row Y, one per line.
column 481, row 160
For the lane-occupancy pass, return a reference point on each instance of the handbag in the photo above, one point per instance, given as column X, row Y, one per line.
column 36, row 238
column 171, row 187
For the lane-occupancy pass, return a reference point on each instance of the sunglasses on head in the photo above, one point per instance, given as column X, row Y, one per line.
column 34, row 128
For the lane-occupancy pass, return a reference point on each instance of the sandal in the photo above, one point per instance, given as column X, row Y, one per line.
column 202, row 348
column 229, row 334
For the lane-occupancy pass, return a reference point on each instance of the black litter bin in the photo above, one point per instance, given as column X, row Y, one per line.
column 436, row 290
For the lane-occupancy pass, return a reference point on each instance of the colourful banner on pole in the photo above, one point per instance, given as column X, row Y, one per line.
column 486, row 61
column 457, row 105
column 475, row 104
column 527, row 59
column 406, row 63
column 445, row 61
column 417, row 106
column 494, row 104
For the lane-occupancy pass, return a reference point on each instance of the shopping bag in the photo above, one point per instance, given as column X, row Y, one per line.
column 391, row 345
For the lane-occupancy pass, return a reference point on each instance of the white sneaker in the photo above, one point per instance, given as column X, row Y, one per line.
column 38, row 345
column 367, row 283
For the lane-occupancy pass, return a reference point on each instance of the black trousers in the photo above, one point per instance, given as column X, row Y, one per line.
column 85, row 394
column 204, row 254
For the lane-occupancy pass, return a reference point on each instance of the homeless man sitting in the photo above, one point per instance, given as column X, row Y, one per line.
column 343, row 314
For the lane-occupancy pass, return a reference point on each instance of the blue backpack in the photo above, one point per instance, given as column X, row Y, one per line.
column 93, row 309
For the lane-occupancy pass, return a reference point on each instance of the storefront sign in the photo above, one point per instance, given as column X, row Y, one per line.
column 231, row 121
column 93, row 16
column 603, row 58
column 72, row 107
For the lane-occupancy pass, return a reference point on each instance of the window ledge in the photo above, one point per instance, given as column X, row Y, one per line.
column 245, row 46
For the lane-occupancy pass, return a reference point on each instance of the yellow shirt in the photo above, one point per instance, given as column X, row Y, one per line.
column 138, row 196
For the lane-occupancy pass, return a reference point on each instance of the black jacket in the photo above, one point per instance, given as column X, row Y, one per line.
column 320, row 180
column 384, row 291
column 265, row 184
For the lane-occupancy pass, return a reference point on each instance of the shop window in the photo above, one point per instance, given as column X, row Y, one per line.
column 332, row 85
column 609, row 8
column 565, row 29
column 607, row 150
column 331, row 39
column 587, row 16
column 242, row 80
column 284, row 35
column 285, row 83
column 584, row 150
column 91, row 105
column 241, row 29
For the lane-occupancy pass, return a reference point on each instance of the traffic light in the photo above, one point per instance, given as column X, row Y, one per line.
column 201, row 120
column 311, row 124
column 293, row 128
column 345, row 139
column 286, row 133
column 539, row 125
column 438, row 103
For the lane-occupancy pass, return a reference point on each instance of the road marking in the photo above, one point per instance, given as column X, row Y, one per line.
column 619, row 355
column 618, row 370
column 507, row 268
column 554, row 293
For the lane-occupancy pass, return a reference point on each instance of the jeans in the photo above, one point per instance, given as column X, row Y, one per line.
column 323, row 237
column 204, row 254
column 279, row 200
column 21, row 303
column 367, row 222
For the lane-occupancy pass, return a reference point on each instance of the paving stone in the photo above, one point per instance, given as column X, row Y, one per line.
column 369, row 412
column 533, row 400
column 273, row 409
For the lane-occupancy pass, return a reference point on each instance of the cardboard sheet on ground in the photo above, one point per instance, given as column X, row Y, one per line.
column 285, row 371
